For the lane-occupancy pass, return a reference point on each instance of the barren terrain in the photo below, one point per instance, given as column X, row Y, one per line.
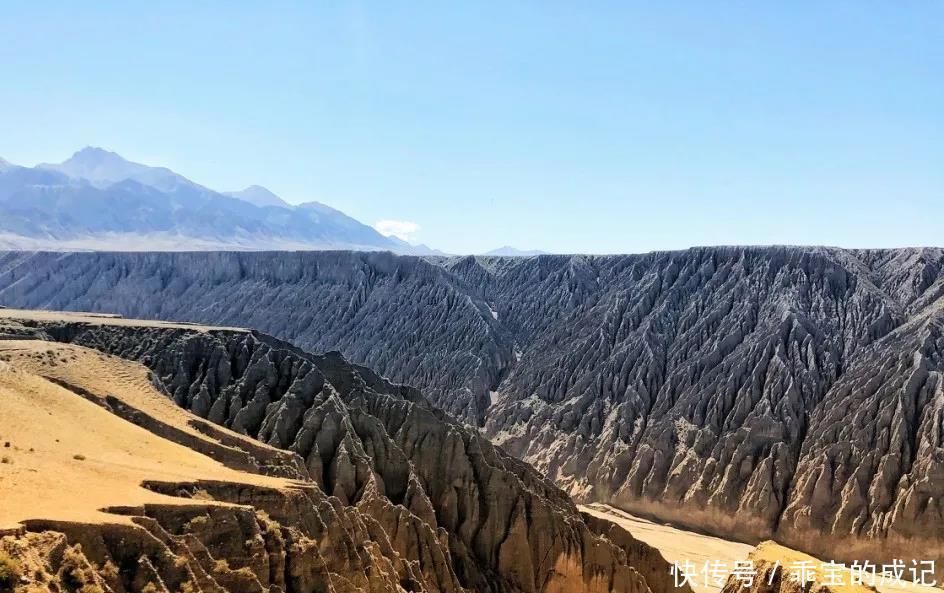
column 678, row 545
column 788, row 393
column 172, row 457
column 68, row 458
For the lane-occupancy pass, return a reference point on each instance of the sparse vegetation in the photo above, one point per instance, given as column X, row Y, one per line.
column 245, row 573
column 188, row 587
column 201, row 494
column 268, row 524
column 10, row 572
column 76, row 573
column 109, row 571
column 221, row 565
column 197, row 523
column 149, row 588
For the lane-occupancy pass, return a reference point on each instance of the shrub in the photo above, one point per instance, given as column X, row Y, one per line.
column 75, row 571
column 10, row 572
column 245, row 572
column 109, row 571
column 197, row 523
column 268, row 524
column 78, row 457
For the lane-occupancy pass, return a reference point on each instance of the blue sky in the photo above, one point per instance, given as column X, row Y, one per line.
column 595, row 127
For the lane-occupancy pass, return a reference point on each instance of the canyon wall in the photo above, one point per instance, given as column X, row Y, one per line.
column 392, row 494
column 751, row 392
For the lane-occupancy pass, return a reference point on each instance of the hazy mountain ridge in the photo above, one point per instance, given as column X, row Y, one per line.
column 258, row 196
column 509, row 251
column 98, row 200
column 749, row 391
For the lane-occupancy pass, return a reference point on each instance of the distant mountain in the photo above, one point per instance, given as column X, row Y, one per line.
column 98, row 200
column 102, row 169
column 423, row 249
column 417, row 249
column 508, row 251
column 259, row 196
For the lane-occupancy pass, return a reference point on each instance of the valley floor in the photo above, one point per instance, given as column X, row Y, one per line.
column 678, row 545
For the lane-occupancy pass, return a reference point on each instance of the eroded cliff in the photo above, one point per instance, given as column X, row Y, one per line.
column 752, row 392
column 385, row 493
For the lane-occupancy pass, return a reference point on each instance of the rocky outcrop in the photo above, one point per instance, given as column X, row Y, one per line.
column 772, row 568
column 400, row 495
column 307, row 543
column 750, row 392
column 648, row 561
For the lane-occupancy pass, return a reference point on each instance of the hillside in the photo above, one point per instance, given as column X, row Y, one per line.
column 226, row 460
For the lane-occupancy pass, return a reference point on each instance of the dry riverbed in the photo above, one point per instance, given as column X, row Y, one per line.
column 679, row 545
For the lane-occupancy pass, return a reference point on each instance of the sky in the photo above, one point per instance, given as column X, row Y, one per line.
column 593, row 127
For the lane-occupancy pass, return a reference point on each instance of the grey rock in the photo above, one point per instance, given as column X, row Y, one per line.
column 378, row 309
column 753, row 392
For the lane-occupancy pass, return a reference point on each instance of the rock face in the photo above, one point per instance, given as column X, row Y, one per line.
column 378, row 309
column 752, row 392
column 401, row 498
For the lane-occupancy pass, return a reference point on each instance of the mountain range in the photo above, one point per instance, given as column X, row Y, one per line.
column 98, row 200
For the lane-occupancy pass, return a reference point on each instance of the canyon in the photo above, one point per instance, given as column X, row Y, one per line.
column 144, row 456
column 753, row 393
